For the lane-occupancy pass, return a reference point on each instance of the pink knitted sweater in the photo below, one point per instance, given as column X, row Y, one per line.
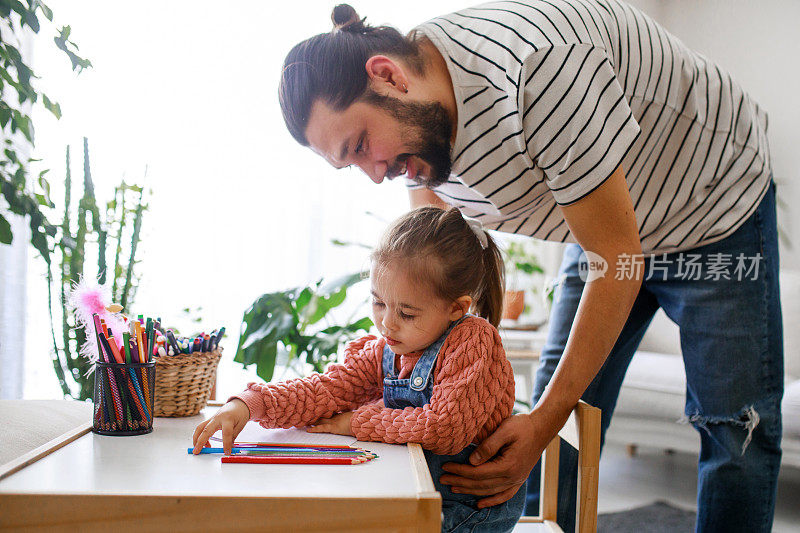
column 473, row 392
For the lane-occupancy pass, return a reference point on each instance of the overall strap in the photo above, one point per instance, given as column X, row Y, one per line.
column 424, row 367
column 388, row 361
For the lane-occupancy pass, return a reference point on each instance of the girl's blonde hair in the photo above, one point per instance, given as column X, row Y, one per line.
column 439, row 247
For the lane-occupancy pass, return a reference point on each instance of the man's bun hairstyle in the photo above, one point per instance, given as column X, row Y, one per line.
column 345, row 18
column 331, row 66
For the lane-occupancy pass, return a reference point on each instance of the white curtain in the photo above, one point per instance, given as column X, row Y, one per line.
column 13, row 274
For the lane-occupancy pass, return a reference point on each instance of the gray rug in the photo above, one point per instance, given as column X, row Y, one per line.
column 657, row 517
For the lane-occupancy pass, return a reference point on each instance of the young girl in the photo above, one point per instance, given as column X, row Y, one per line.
column 437, row 375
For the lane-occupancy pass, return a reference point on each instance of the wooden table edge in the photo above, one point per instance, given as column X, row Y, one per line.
column 142, row 512
column 427, row 500
column 44, row 450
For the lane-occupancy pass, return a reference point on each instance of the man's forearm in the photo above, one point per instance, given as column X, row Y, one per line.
column 603, row 311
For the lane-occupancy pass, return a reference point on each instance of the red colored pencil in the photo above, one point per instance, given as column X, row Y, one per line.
column 292, row 460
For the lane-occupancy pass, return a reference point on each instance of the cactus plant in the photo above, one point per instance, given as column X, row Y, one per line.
column 78, row 235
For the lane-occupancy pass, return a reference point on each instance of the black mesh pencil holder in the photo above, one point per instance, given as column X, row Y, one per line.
column 123, row 398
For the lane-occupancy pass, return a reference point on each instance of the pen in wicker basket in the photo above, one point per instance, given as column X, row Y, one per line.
column 184, row 382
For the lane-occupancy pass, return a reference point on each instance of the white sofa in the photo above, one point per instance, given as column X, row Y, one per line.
column 651, row 403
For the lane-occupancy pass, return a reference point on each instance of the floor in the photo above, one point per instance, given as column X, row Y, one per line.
column 652, row 475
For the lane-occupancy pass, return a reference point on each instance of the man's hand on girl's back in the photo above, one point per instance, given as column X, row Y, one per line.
column 504, row 460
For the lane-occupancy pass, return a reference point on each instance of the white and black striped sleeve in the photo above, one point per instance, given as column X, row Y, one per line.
column 577, row 124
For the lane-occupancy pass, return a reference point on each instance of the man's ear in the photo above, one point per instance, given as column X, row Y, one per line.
column 386, row 75
column 460, row 307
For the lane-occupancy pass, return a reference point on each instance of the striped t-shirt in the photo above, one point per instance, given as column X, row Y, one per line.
column 553, row 95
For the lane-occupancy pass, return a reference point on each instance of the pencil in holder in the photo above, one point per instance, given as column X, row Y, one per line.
column 123, row 398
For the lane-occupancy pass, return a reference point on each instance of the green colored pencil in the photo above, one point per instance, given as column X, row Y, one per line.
column 126, row 342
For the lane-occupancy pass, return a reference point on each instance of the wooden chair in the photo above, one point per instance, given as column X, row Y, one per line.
column 582, row 432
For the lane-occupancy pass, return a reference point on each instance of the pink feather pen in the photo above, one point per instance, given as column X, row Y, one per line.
column 91, row 302
column 87, row 299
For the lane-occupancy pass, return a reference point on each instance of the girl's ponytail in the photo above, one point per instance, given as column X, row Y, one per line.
column 490, row 295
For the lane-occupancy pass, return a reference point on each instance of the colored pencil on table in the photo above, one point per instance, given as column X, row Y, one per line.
column 290, row 445
column 309, row 448
column 300, row 450
column 293, row 456
column 287, row 451
column 273, row 453
column 291, row 460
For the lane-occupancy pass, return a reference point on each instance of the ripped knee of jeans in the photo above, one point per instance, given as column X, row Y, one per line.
column 748, row 419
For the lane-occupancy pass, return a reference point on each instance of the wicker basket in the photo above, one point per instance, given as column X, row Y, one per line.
column 184, row 382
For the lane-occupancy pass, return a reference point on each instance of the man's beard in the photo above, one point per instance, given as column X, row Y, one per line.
column 430, row 126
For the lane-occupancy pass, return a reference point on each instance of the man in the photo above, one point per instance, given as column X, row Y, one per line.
column 583, row 121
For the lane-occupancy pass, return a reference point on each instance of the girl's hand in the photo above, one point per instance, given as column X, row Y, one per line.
column 231, row 419
column 338, row 424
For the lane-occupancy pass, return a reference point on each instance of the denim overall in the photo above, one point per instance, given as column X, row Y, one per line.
column 459, row 511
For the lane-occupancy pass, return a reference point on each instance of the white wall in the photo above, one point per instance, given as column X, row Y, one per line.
column 758, row 42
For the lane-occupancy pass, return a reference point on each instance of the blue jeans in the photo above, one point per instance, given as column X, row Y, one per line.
column 732, row 344
column 460, row 513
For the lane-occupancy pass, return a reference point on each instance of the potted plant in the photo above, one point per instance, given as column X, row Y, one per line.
column 522, row 262
column 298, row 323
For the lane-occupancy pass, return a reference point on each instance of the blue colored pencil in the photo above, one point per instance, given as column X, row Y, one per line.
column 139, row 393
column 281, row 449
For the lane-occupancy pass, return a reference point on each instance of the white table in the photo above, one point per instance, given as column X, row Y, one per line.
column 151, row 483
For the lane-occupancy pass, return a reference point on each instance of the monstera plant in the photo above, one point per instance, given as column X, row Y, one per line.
column 299, row 324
